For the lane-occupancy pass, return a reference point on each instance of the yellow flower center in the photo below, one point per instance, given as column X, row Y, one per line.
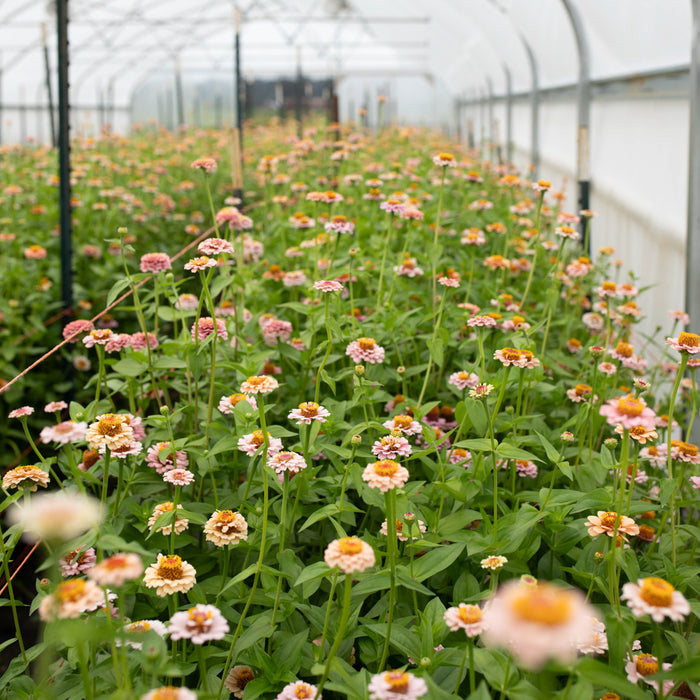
column 140, row 626
column 459, row 452
column 255, row 381
column 446, row 156
column 70, row 591
column 511, row 354
column 689, row 339
column 582, row 389
column 398, row 681
column 629, row 406
column 656, row 591
column 610, row 696
column 624, row 349
column 257, row 438
column 517, row 320
column 170, row 568
column 166, row 693
column 638, row 431
column 339, row 219
column 544, row 183
column 609, row 519
column 687, row 448
column 309, row 409
column 303, row 691
column 110, row 425
column 402, row 421
column 469, row 614
column 646, row 532
column 350, row 545
column 226, row 516
column 543, row 603
column 646, row 664
column 329, row 194
column 609, row 287
column 366, row 343
column 199, row 617
column 386, row 467
column 235, row 398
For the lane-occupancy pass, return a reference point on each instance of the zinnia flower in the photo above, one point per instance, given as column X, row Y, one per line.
column 228, row 403
column 200, row 624
column 63, row 433
column 117, row 569
column 604, row 522
column 463, row 380
column 307, row 412
column 643, row 665
column 284, row 461
column 237, row 679
column 537, row 621
column 169, row 692
column 71, row 599
column 656, row 597
column 391, row 446
column 628, row 411
column 405, row 424
column 396, row 685
column 226, row 527
column 215, row 246
column 685, row 342
column 263, row 384
column 181, row 524
column 155, row 262
column 139, row 628
column 204, row 327
column 465, row 617
column 349, row 554
column 178, row 477
column 365, row 350
column 252, row 442
column 111, row 429
column 56, row 516
column 494, row 562
column 298, row 690
column 170, row 574
column 25, row 477
column 385, row 474
column 77, row 562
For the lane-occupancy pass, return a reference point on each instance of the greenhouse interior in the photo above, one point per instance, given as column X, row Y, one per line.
column 349, row 349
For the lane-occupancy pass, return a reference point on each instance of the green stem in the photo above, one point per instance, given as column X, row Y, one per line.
column 390, row 502
column 329, row 345
column 11, row 594
column 340, row 632
column 436, row 328
column 319, row 654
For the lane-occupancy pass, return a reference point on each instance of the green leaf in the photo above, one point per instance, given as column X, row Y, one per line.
column 130, row 367
column 552, row 452
column 507, row 451
column 601, row 674
column 117, row 288
column 316, row 570
column 327, row 379
column 437, row 560
column 476, row 445
column 437, row 352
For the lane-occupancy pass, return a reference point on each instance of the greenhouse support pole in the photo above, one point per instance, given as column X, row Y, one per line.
column 534, row 108
column 49, row 91
column 584, row 113
column 237, row 61
column 300, row 93
column 489, row 87
column 692, row 257
column 178, row 94
column 509, row 114
column 66, row 221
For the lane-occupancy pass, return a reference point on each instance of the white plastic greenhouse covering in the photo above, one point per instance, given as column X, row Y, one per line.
column 445, row 63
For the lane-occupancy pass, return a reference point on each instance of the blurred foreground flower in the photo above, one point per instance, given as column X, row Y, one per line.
column 56, row 516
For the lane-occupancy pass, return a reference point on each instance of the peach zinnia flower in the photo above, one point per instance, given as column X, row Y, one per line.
column 298, row 690
column 349, row 554
column 170, row 692
column 685, row 342
column 71, row 599
column 226, row 527
column 307, row 412
column 110, row 429
column 117, row 569
column 464, row 617
column 536, row 621
column 181, row 524
column 656, row 597
column 259, row 385
column 639, row 433
column 605, row 522
column 170, row 574
column 405, row 424
column 385, row 474
column 237, row 679
column 28, row 476
column 200, row 624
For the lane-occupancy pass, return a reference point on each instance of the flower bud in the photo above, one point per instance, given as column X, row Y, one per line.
column 425, row 662
column 359, row 370
column 400, row 369
column 567, row 436
column 610, row 443
column 356, row 440
column 122, row 230
column 164, row 410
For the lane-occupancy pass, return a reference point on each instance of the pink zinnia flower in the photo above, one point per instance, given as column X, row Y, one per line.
column 393, row 206
column 628, row 411
column 64, row 433
column 390, row 447
column 297, row 690
column 385, row 475
column 463, row 380
column 405, row 424
column 55, row 406
column 465, row 617
column 99, row 336
column 339, row 224
column 179, row 477
column 77, row 562
column 537, row 621
column 328, row 286
column 656, row 597
column 681, row 316
column 397, row 685
column 203, row 328
column 160, row 458
column 642, row 665
column 349, row 554
column 262, row 384
column 200, row 624
column 155, row 262
column 72, row 330
column 215, row 246
column 251, row 443
column 685, row 342
column 605, row 522
column 482, row 321
column 275, row 330
column 284, row 461
column 118, row 342
column 365, row 350
column 209, row 165
column 20, row 412
column 228, row 403
column 140, row 341
column 524, row 467
column 307, row 412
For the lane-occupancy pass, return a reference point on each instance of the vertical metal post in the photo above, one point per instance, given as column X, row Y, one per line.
column 238, row 94
column 509, row 114
column 66, row 220
column 534, row 109
column 101, row 109
column 179, row 101
column 49, row 90
column 584, row 113
column 300, row 94
column 692, row 255
column 22, row 115
column 169, row 120
column 489, row 86
column 333, row 103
